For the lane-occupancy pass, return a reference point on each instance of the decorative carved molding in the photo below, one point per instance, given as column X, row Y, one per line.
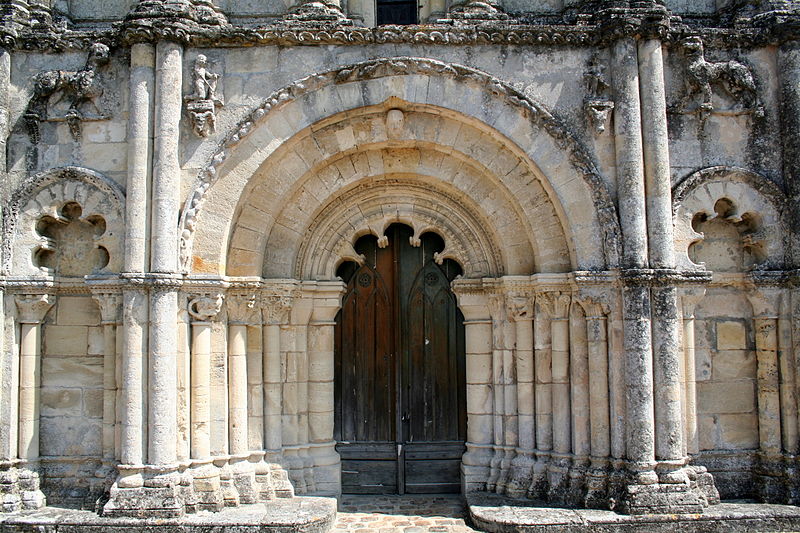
column 79, row 90
column 689, row 300
column 318, row 11
column 33, row 307
column 172, row 20
column 594, row 305
column 582, row 160
column 276, row 302
column 477, row 11
column 203, row 102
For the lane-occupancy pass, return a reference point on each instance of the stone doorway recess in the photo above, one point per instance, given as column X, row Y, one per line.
column 400, row 417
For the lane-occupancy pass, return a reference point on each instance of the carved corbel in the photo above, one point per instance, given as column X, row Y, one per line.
column 205, row 307
column 521, row 305
column 477, row 11
column 597, row 104
column 33, row 307
column 329, row 11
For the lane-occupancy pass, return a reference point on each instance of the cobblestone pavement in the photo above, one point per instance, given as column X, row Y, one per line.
column 404, row 514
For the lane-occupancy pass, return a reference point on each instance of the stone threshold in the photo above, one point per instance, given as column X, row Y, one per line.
column 495, row 514
column 295, row 515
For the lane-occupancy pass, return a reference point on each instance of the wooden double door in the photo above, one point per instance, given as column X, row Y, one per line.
column 400, row 392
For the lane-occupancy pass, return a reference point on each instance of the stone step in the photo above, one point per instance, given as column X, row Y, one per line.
column 498, row 514
column 290, row 515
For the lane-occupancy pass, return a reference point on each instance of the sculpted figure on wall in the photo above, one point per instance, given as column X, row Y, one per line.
column 71, row 96
column 703, row 75
column 202, row 104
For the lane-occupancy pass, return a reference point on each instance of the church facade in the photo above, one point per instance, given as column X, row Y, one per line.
column 264, row 248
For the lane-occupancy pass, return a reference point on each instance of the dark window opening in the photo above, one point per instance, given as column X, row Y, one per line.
column 397, row 12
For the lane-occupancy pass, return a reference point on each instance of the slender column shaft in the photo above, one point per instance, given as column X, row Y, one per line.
column 166, row 165
column 543, row 384
column 237, row 388
column 272, row 387
column 787, row 385
column 140, row 126
column 692, row 440
column 617, row 379
column 597, row 340
column 579, row 385
column 255, row 389
column 134, row 372
column 30, row 361
column 561, row 405
column 769, row 425
column 201, row 390
column 640, row 423
column 163, row 382
column 524, row 334
column 667, row 374
column 656, row 155
column 789, row 75
column 109, row 388
column 629, row 157
column 5, row 81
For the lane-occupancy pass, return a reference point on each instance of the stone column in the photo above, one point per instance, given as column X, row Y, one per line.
column 203, row 309
column 132, row 411
column 543, row 398
column 557, row 305
column 788, row 371
column 580, row 406
column 521, row 311
column 766, row 302
column 689, row 300
column 110, row 305
column 5, row 82
column 293, row 343
column 241, row 310
column 321, row 339
column 596, row 311
column 498, row 313
column 32, row 310
column 789, row 77
column 275, row 306
column 474, row 305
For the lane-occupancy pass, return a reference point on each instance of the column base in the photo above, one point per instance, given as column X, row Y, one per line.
column 19, row 489
column 243, row 476
column 521, row 473
column 207, row 487
column 475, row 467
column 558, row 479
column 673, row 492
column 772, row 479
column 143, row 493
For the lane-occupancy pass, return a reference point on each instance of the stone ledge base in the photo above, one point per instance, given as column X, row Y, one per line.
column 493, row 513
column 296, row 515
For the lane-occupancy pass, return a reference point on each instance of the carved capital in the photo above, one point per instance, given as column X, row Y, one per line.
column 276, row 305
column 765, row 301
column 520, row 305
column 242, row 308
column 555, row 304
column 595, row 306
column 205, row 308
column 689, row 300
column 33, row 307
column 110, row 304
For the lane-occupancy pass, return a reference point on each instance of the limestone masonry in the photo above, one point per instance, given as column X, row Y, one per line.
column 181, row 182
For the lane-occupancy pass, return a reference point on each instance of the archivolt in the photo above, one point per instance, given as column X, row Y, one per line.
column 530, row 127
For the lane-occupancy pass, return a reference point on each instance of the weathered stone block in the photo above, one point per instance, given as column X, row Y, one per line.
column 726, row 397
column 731, row 335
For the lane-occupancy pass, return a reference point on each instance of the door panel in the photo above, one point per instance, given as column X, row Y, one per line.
column 400, row 377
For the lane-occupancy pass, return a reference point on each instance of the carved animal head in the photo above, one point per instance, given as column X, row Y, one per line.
column 692, row 46
column 98, row 54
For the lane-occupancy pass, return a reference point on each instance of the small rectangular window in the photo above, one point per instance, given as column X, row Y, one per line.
column 397, row 12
